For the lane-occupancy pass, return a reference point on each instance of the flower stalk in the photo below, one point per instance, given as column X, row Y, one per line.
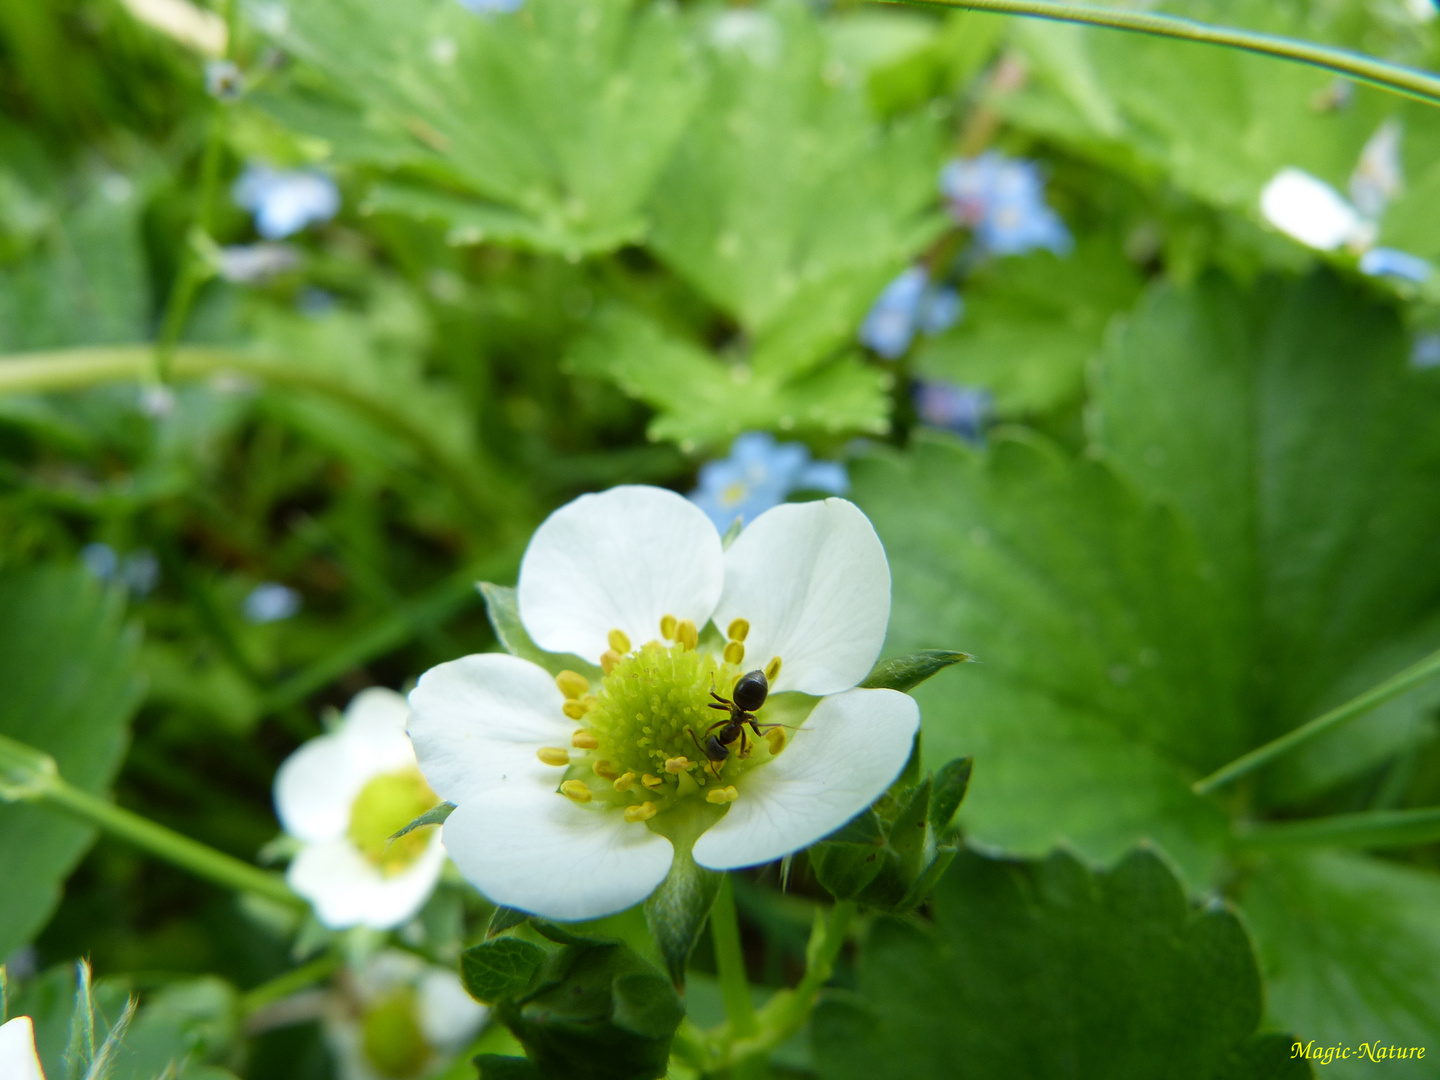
column 730, row 962
column 1407, row 82
column 29, row 775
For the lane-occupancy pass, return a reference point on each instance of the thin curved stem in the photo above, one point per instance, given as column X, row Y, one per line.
column 30, row 775
column 1408, row 82
column 70, row 369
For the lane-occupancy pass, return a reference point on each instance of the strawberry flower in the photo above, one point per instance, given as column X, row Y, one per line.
column 573, row 790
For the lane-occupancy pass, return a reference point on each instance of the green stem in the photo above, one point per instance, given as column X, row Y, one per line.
column 1368, row 829
column 1392, row 687
column 1408, row 82
column 292, row 982
column 67, row 369
column 200, row 859
column 730, row 960
column 192, row 272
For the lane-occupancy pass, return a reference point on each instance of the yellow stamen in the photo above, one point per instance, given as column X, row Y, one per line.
column 583, row 740
column 626, row 782
column 676, row 764
column 619, row 642
column 553, row 755
column 608, row 659
column 734, row 652
column 652, row 782
column 739, row 628
column 772, row 669
column 686, row 634
column 643, row 812
column 605, row 770
column 572, row 684
column 776, row 738
column 576, row 790
column 723, row 795
column 668, row 625
column 575, row 709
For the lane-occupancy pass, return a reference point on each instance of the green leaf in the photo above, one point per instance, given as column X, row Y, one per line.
column 1349, row 944
column 785, row 186
column 703, row 398
column 68, row 668
column 1106, row 661
column 504, row 1067
column 1031, row 325
column 1160, row 108
column 1056, row 971
column 500, row 968
column 904, row 673
column 1267, row 555
column 557, row 122
column 600, row 1011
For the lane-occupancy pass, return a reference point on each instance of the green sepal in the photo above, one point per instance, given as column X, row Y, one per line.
column 732, row 532
column 504, row 611
column 597, row 1011
column 676, row 911
column 504, row 918
column 436, row 815
column 904, row 673
column 505, row 1067
column 890, row 857
column 25, row 773
column 951, row 784
column 563, row 936
column 501, row 968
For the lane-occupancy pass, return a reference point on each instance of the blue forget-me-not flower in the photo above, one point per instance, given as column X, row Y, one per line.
column 270, row 602
column 492, row 7
column 1003, row 200
column 284, row 201
column 910, row 304
column 965, row 410
column 761, row 473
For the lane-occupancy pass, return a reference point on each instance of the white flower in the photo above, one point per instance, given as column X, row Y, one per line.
column 1310, row 210
column 400, row 1017
column 343, row 795
column 18, row 1059
column 568, row 796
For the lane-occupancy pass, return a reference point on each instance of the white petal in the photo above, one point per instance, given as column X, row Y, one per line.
column 812, row 581
column 448, row 1015
column 841, row 760
column 536, row 851
column 18, row 1059
column 375, row 722
column 1310, row 210
column 316, row 786
column 347, row 890
column 477, row 722
column 619, row 560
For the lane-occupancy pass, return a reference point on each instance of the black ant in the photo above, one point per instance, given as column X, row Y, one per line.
column 750, row 692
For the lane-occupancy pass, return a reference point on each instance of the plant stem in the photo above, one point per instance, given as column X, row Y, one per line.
column 292, row 982
column 1392, row 687
column 1408, row 82
column 730, row 960
column 67, row 369
column 200, row 859
column 1368, row 829
column 30, row 775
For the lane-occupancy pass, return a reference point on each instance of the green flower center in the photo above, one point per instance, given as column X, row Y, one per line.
column 391, row 1034
column 652, row 701
column 384, row 806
